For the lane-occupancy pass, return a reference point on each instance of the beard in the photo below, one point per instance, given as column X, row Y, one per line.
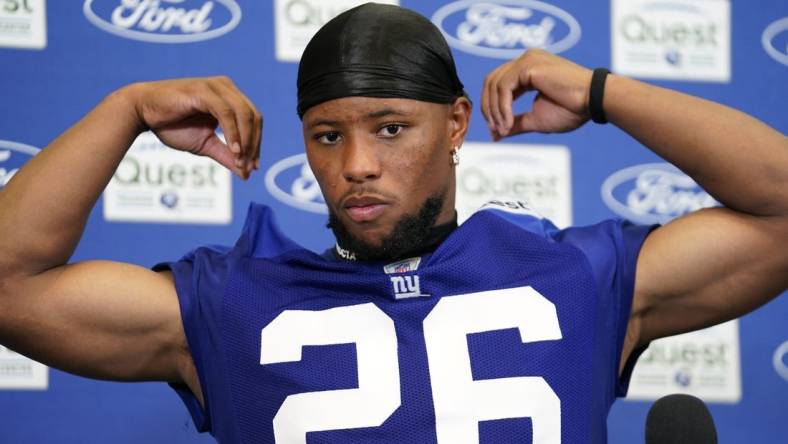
column 410, row 233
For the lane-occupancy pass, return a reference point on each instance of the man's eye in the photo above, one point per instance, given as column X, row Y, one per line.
column 391, row 130
column 329, row 138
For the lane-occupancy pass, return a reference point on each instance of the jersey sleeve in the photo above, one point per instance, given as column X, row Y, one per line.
column 612, row 249
column 199, row 280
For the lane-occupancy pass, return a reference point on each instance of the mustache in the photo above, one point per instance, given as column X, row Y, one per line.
column 366, row 190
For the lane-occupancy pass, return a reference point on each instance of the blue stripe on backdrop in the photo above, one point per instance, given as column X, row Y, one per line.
column 45, row 91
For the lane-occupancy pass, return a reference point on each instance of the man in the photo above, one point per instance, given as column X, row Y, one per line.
column 410, row 329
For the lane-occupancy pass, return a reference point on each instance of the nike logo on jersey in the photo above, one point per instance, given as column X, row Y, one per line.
column 512, row 206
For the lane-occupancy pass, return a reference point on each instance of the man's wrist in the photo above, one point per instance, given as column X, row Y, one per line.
column 125, row 102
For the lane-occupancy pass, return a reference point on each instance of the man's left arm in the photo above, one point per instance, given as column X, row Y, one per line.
column 706, row 267
column 716, row 264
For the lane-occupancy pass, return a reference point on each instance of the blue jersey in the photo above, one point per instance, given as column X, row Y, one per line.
column 510, row 331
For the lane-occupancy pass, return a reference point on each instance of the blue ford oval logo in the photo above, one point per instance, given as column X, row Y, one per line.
column 12, row 156
column 292, row 182
column 775, row 40
column 164, row 21
column 653, row 193
column 505, row 28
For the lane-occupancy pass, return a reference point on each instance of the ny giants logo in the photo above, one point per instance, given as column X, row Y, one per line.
column 164, row 21
column 505, row 28
column 405, row 286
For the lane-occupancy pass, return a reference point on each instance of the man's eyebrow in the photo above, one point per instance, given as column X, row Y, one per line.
column 373, row 115
column 387, row 112
column 323, row 122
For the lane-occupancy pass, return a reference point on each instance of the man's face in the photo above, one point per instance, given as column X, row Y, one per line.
column 378, row 161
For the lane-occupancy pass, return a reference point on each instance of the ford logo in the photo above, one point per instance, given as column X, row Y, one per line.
column 164, row 21
column 775, row 40
column 12, row 156
column 653, row 193
column 292, row 182
column 780, row 360
column 505, row 28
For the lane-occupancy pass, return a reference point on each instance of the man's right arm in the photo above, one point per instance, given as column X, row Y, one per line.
column 104, row 319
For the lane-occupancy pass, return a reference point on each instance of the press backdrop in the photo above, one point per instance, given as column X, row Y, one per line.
column 59, row 59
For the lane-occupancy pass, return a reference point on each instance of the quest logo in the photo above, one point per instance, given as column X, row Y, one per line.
column 518, row 178
column 653, row 193
column 154, row 183
column 18, row 372
column 164, row 21
column 672, row 39
column 505, row 28
column 704, row 363
column 23, row 24
column 296, row 21
column 292, row 182
column 12, row 156
column 775, row 40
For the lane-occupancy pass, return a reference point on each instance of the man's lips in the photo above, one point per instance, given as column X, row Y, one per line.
column 364, row 208
column 365, row 213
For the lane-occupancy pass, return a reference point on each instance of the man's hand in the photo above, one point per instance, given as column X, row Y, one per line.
column 185, row 113
column 561, row 103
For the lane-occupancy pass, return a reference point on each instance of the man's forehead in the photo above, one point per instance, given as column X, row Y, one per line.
column 351, row 109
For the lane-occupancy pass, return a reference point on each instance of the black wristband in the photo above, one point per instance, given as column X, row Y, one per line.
column 597, row 94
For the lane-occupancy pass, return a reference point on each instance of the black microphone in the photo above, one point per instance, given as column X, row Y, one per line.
column 680, row 419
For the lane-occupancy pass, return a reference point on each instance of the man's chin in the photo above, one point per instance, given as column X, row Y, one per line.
column 371, row 236
column 390, row 241
column 367, row 243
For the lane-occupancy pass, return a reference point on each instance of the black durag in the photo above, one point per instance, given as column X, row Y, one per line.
column 381, row 51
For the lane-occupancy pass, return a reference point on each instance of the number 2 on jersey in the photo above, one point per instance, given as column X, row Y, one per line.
column 455, row 393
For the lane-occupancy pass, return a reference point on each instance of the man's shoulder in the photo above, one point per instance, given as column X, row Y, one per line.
column 261, row 236
column 517, row 222
column 512, row 216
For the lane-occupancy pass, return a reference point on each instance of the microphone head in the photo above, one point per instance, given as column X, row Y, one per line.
column 680, row 419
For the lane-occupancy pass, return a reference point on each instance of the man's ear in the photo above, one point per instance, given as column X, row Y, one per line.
column 459, row 118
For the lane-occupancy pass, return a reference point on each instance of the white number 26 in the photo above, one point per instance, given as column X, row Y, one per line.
column 460, row 402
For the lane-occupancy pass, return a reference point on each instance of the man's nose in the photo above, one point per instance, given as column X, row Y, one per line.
column 361, row 162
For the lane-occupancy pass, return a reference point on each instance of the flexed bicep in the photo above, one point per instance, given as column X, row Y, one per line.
column 706, row 268
column 98, row 319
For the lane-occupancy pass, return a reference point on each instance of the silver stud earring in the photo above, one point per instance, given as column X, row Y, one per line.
column 455, row 156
